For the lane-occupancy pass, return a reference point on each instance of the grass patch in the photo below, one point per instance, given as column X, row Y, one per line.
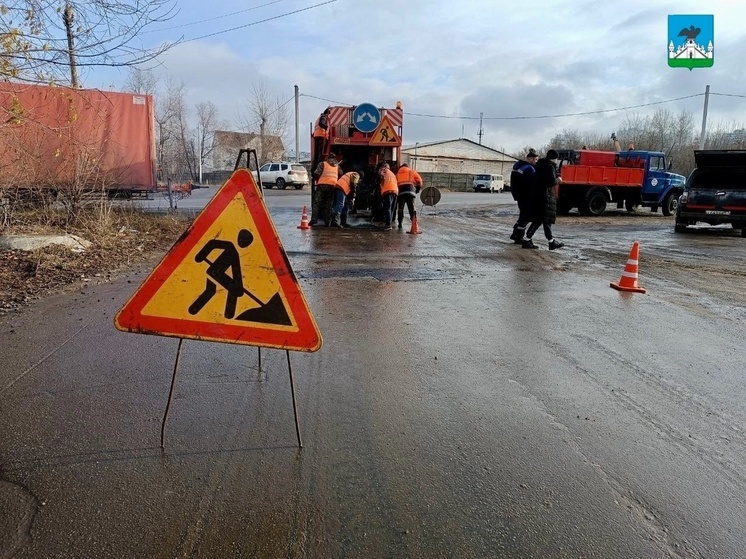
column 121, row 237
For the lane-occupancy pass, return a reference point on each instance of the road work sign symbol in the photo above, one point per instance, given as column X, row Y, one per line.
column 227, row 279
column 385, row 135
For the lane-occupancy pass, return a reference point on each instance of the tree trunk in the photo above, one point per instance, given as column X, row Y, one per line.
column 67, row 18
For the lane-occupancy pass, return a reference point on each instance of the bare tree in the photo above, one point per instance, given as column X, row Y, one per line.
column 207, row 123
column 269, row 117
column 49, row 41
column 170, row 116
column 577, row 139
column 633, row 130
column 144, row 82
column 726, row 135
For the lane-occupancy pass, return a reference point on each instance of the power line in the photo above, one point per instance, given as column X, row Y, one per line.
column 534, row 117
column 728, row 95
column 327, row 100
column 281, row 106
column 212, row 18
column 260, row 21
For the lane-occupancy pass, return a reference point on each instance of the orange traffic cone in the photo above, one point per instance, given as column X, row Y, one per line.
column 628, row 281
column 415, row 229
column 304, row 220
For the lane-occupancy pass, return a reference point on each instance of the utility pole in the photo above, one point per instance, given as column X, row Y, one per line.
column 481, row 132
column 703, row 135
column 297, row 128
column 199, row 148
column 67, row 18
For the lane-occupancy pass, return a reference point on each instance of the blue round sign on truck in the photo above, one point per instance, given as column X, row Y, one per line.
column 365, row 117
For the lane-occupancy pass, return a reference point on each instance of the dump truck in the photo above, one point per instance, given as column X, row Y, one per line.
column 592, row 179
column 59, row 138
column 362, row 136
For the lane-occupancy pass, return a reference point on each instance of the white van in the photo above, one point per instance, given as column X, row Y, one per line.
column 488, row 183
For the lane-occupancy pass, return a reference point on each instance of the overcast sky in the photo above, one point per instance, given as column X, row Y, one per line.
column 455, row 59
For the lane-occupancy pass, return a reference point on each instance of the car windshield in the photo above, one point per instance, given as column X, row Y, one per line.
column 719, row 179
column 299, row 168
column 482, row 177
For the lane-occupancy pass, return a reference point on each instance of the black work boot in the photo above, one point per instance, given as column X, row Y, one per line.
column 555, row 244
column 517, row 236
column 528, row 244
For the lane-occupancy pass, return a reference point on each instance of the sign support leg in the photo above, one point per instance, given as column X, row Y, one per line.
column 260, row 359
column 292, row 391
column 170, row 394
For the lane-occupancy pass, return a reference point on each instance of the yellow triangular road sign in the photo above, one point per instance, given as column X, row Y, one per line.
column 385, row 134
column 227, row 279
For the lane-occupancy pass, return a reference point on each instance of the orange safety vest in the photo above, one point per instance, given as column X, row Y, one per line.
column 408, row 179
column 389, row 183
column 318, row 131
column 329, row 175
column 343, row 183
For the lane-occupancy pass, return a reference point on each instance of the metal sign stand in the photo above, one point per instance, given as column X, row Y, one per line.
column 430, row 196
column 173, row 384
column 248, row 153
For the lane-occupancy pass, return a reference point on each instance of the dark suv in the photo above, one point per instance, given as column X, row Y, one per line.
column 715, row 192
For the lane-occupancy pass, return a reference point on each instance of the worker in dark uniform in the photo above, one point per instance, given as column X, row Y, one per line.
column 544, row 201
column 521, row 178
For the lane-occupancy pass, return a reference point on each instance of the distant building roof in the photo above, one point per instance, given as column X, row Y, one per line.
column 460, row 148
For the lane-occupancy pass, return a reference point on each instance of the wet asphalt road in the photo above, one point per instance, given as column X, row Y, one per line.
column 471, row 399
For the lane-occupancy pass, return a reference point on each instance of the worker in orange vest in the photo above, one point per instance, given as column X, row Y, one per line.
column 326, row 175
column 320, row 135
column 389, row 189
column 344, row 195
column 409, row 182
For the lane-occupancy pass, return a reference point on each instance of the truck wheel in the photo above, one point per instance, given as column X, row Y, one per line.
column 679, row 228
column 281, row 183
column 596, row 202
column 670, row 203
column 743, row 231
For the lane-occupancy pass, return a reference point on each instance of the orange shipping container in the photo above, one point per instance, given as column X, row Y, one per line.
column 58, row 137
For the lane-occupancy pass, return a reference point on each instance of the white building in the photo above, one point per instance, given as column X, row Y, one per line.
column 690, row 49
column 226, row 146
column 459, row 156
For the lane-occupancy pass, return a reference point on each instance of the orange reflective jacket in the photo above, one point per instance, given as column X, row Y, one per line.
column 409, row 180
column 319, row 132
column 346, row 180
column 329, row 175
column 389, row 183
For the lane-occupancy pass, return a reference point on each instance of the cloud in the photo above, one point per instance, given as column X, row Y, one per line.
column 460, row 59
